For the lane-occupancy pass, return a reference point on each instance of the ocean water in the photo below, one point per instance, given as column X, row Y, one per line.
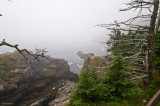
column 76, row 63
column 69, row 53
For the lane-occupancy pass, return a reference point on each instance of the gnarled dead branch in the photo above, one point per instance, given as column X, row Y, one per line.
column 36, row 55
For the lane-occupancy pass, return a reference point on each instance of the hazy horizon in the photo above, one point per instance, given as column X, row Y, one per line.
column 61, row 26
column 56, row 24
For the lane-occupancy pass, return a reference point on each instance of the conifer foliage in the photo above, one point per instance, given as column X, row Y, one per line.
column 114, row 88
column 119, row 80
column 90, row 89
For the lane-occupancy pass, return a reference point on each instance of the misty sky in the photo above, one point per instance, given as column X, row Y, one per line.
column 62, row 24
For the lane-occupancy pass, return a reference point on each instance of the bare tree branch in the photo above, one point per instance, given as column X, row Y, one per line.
column 148, row 31
column 137, row 4
column 127, row 29
column 39, row 52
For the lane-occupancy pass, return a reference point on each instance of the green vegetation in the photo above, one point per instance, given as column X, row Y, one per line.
column 5, row 66
column 9, row 74
column 2, row 62
column 154, row 85
column 157, row 52
column 119, row 81
column 89, row 89
column 117, row 87
column 128, row 45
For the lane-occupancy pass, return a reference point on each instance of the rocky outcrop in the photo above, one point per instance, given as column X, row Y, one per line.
column 63, row 94
column 80, row 54
column 99, row 62
column 24, row 84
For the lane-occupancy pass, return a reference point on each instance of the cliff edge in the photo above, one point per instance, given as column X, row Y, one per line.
column 33, row 84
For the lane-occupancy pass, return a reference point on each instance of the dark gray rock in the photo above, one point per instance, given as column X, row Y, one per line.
column 25, row 84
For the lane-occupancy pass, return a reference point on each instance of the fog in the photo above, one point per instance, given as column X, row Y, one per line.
column 60, row 26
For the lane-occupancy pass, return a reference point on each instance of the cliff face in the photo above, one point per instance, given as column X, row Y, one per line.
column 31, row 84
column 63, row 94
column 99, row 62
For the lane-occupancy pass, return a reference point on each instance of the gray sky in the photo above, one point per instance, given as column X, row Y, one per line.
column 62, row 24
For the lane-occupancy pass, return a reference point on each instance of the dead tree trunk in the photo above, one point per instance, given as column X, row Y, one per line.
column 151, row 39
column 158, row 22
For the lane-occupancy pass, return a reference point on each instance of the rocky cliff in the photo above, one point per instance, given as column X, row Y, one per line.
column 35, row 84
column 99, row 62
column 64, row 92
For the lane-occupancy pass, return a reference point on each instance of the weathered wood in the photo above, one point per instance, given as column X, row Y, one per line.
column 39, row 52
column 144, row 103
column 151, row 38
column 158, row 22
column 155, row 100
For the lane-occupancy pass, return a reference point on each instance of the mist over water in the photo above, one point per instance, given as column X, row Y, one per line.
column 70, row 54
column 63, row 27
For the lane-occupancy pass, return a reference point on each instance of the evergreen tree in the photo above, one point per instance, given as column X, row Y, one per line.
column 156, row 56
column 89, row 91
column 115, row 88
column 118, row 79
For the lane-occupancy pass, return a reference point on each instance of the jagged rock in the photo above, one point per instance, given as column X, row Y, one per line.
column 41, row 101
column 30, row 84
column 99, row 62
column 80, row 54
column 63, row 94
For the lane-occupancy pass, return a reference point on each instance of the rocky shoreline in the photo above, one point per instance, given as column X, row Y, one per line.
column 48, row 82
column 35, row 84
